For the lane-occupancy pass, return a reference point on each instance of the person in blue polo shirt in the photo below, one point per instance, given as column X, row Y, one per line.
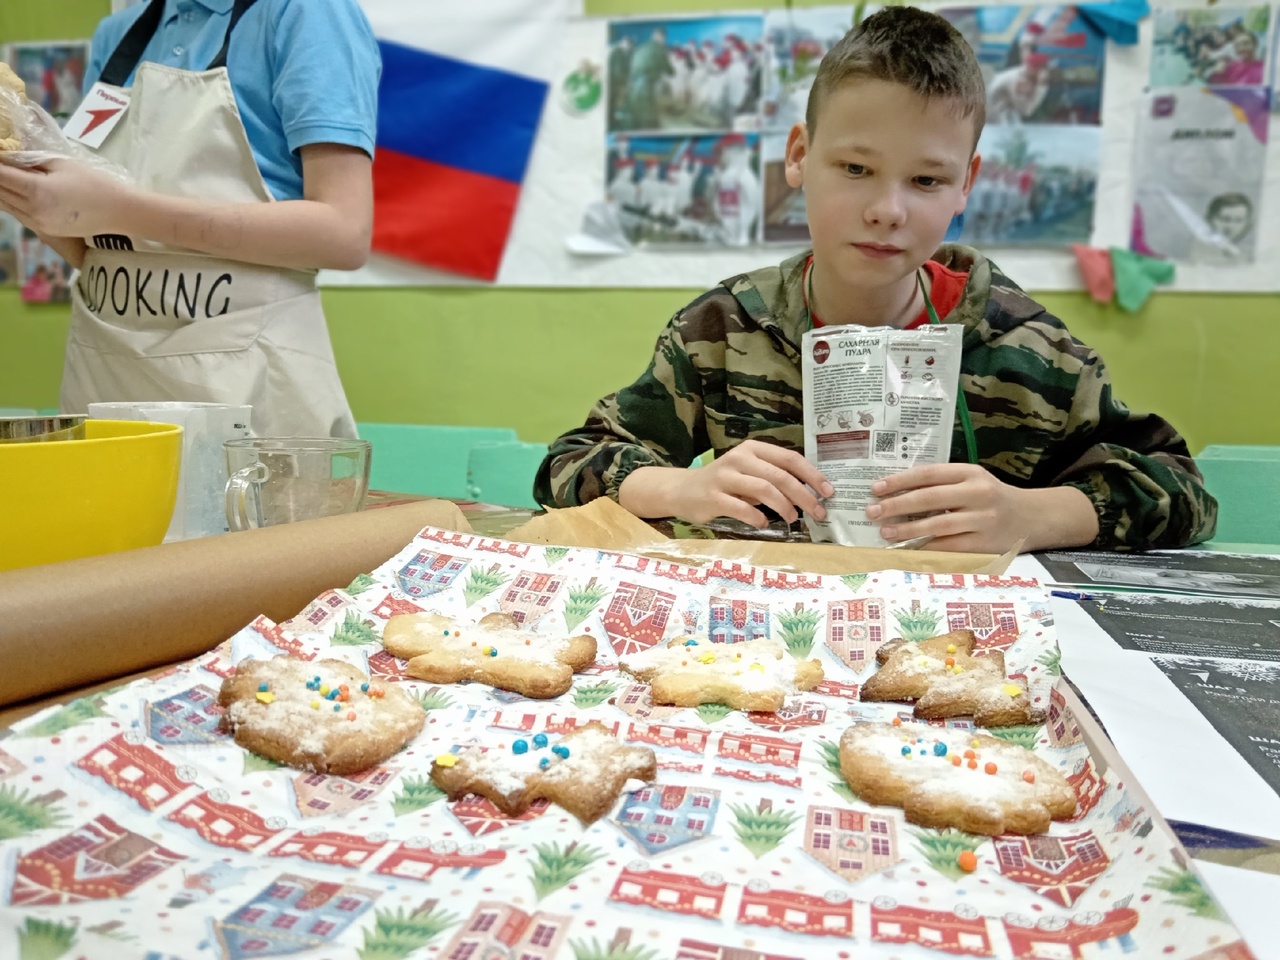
column 248, row 136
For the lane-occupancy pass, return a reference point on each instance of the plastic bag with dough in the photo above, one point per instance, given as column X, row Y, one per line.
column 13, row 96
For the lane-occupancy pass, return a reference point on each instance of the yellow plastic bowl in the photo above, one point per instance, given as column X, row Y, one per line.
column 114, row 490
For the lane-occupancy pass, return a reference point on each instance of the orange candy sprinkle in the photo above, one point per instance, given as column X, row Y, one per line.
column 528, row 643
column 950, row 661
column 969, row 754
column 967, row 861
column 990, row 768
column 351, row 715
column 897, row 721
column 973, row 764
column 1029, row 776
column 955, row 760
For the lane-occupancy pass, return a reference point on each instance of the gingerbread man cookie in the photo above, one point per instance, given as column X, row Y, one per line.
column 494, row 651
column 945, row 679
column 323, row 716
column 752, row 675
column 583, row 772
column 954, row 778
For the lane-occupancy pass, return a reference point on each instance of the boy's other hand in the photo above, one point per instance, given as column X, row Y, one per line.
column 976, row 513
column 751, row 475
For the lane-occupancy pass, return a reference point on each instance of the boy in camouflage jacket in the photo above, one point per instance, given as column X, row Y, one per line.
column 1061, row 462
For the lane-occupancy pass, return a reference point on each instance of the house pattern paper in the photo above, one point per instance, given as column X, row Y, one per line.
column 131, row 827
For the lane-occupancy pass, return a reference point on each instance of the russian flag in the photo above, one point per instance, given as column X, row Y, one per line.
column 463, row 87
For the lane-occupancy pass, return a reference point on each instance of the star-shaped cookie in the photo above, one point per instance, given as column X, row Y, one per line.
column 494, row 651
column 753, row 675
column 583, row 772
column 945, row 679
column 954, row 778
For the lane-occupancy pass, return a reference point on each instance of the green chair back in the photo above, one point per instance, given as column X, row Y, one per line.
column 425, row 459
column 503, row 472
column 1248, row 490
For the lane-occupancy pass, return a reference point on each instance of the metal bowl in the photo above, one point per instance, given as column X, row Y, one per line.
column 39, row 429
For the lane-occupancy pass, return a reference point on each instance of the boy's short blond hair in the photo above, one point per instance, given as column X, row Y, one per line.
column 907, row 46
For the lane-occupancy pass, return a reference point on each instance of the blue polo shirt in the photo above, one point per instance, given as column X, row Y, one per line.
column 302, row 71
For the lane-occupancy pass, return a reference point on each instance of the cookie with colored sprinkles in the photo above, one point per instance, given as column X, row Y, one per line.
column 954, row 778
column 494, row 651
column 752, row 675
column 323, row 716
column 583, row 772
column 945, row 679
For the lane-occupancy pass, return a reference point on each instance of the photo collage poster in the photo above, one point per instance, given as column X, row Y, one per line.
column 1202, row 136
column 699, row 109
column 54, row 76
column 683, row 101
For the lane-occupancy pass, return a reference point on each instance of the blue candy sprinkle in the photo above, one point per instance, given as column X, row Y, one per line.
column 364, row 688
column 264, row 687
column 539, row 739
column 544, row 763
column 561, row 751
column 906, row 751
column 520, row 746
column 939, row 749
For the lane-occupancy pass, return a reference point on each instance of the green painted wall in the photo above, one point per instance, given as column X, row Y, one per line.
column 536, row 359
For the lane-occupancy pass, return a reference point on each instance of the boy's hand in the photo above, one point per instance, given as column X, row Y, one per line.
column 977, row 513
column 62, row 199
column 750, row 475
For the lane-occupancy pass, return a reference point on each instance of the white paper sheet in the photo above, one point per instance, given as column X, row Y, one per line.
column 1188, row 769
column 1250, row 897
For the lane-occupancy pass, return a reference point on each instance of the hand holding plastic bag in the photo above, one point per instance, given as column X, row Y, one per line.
column 34, row 138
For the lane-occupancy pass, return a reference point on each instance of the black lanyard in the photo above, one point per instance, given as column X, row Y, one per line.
column 128, row 54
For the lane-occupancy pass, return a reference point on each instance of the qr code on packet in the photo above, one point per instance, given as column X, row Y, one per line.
column 886, row 442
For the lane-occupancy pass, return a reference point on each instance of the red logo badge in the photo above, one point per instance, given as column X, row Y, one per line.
column 821, row 350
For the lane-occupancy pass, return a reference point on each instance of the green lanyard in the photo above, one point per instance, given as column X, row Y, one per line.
column 962, row 405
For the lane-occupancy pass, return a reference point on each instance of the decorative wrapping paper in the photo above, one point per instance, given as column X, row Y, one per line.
column 132, row 827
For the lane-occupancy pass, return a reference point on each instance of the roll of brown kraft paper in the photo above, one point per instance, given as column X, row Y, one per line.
column 70, row 624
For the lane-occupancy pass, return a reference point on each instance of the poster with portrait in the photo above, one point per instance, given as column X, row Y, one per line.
column 10, row 230
column 1223, row 46
column 45, row 276
column 1040, row 64
column 686, row 190
column 1036, row 186
column 1198, row 175
column 53, row 73
column 795, row 41
column 690, row 75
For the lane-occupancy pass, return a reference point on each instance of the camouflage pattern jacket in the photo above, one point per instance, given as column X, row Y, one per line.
column 727, row 367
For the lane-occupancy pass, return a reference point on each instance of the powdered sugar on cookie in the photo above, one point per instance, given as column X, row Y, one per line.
column 946, row 679
column 583, row 772
column 483, row 641
column 954, row 778
column 320, row 715
column 752, row 675
column 495, row 651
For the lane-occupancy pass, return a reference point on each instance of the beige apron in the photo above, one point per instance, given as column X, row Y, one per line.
column 152, row 322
